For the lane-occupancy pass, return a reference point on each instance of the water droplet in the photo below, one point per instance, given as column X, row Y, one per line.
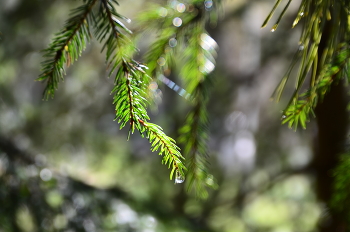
column 208, row 4
column 177, row 22
column 161, row 61
column 128, row 20
column 301, row 47
column 274, row 28
column 172, row 42
column 163, row 12
column 301, row 13
column 181, row 7
column 284, row 116
column 179, row 178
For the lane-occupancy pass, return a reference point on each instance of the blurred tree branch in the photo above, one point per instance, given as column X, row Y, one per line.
column 35, row 198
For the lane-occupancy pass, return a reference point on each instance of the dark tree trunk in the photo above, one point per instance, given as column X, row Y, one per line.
column 332, row 123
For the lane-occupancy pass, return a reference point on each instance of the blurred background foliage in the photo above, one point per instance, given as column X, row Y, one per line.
column 66, row 166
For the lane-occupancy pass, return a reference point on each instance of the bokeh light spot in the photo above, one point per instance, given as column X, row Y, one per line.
column 161, row 61
column 162, row 12
column 45, row 174
column 181, row 7
column 172, row 42
column 177, row 22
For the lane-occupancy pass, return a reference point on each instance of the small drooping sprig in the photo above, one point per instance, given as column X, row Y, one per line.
column 131, row 80
column 186, row 41
column 326, row 21
column 167, row 147
column 130, row 91
column 194, row 137
column 199, row 61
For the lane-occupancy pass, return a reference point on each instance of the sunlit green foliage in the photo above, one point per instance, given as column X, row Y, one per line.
column 182, row 35
column 322, row 67
column 131, row 81
column 181, row 31
column 72, row 138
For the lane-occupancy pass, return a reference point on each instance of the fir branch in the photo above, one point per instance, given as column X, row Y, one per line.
column 129, row 95
column 197, row 52
column 194, row 136
column 167, row 147
column 198, row 57
column 194, row 133
column 299, row 111
column 115, row 34
column 131, row 85
column 66, row 47
column 323, row 67
column 131, row 80
column 130, row 102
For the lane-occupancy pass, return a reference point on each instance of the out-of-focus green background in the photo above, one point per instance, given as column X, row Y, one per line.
column 66, row 166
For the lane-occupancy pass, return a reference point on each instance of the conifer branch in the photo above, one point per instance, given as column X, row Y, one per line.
column 194, row 136
column 131, row 80
column 189, row 43
column 323, row 68
column 167, row 147
column 130, row 102
column 131, row 84
column 199, row 63
column 66, row 47
column 111, row 30
column 299, row 111
column 129, row 95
